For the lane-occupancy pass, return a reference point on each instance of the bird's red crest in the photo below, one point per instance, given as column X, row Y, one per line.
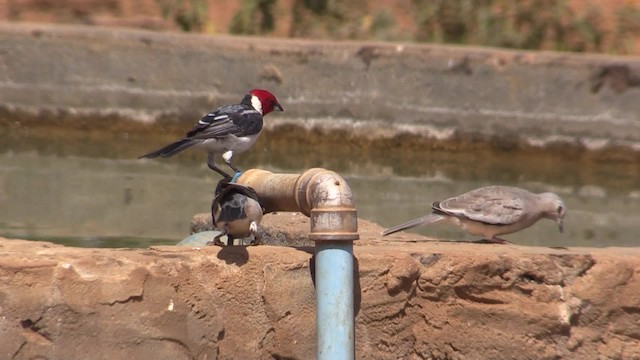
column 267, row 99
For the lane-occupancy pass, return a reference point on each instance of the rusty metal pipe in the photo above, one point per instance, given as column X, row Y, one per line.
column 321, row 194
column 326, row 198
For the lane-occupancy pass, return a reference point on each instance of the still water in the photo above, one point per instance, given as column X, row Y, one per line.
column 85, row 190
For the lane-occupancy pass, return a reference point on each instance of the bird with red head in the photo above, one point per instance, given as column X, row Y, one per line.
column 227, row 130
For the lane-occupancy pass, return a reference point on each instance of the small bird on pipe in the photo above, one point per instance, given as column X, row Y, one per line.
column 236, row 212
column 227, row 130
column 491, row 211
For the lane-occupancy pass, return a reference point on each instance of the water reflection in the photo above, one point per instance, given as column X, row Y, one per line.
column 82, row 190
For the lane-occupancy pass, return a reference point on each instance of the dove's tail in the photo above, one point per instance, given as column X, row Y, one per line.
column 428, row 219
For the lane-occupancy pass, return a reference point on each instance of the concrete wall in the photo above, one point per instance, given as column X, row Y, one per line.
column 512, row 97
column 413, row 301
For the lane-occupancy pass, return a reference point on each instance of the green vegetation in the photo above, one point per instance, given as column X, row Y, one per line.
column 627, row 29
column 532, row 24
column 255, row 17
column 528, row 24
column 190, row 15
column 325, row 18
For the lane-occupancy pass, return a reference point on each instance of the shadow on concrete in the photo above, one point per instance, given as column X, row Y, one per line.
column 236, row 254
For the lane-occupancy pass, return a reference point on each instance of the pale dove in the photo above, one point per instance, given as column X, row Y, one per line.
column 491, row 211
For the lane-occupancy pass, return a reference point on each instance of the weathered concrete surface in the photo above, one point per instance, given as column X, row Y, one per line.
column 50, row 74
column 429, row 300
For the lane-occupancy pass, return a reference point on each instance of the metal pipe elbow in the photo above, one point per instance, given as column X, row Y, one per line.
column 321, row 194
column 329, row 201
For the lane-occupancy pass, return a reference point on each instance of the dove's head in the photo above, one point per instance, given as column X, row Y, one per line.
column 553, row 208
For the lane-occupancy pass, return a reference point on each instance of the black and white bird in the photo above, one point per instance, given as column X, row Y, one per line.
column 236, row 212
column 491, row 211
column 228, row 130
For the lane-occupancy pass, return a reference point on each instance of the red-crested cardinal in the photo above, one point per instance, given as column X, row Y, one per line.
column 491, row 211
column 236, row 212
column 228, row 130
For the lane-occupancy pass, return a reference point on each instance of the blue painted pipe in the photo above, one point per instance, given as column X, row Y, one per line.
column 326, row 198
column 334, row 300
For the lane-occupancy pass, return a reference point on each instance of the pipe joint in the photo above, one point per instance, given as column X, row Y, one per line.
column 322, row 195
column 334, row 224
column 332, row 212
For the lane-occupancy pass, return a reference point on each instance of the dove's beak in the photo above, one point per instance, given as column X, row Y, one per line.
column 560, row 226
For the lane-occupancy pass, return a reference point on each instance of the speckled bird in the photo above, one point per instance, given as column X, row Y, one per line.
column 236, row 212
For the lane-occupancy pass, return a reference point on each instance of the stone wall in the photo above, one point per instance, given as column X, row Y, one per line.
column 447, row 93
column 414, row 300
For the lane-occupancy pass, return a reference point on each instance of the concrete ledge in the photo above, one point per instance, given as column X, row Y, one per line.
column 444, row 93
column 415, row 300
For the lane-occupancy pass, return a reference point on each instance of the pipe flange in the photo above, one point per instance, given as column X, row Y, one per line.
column 330, row 224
